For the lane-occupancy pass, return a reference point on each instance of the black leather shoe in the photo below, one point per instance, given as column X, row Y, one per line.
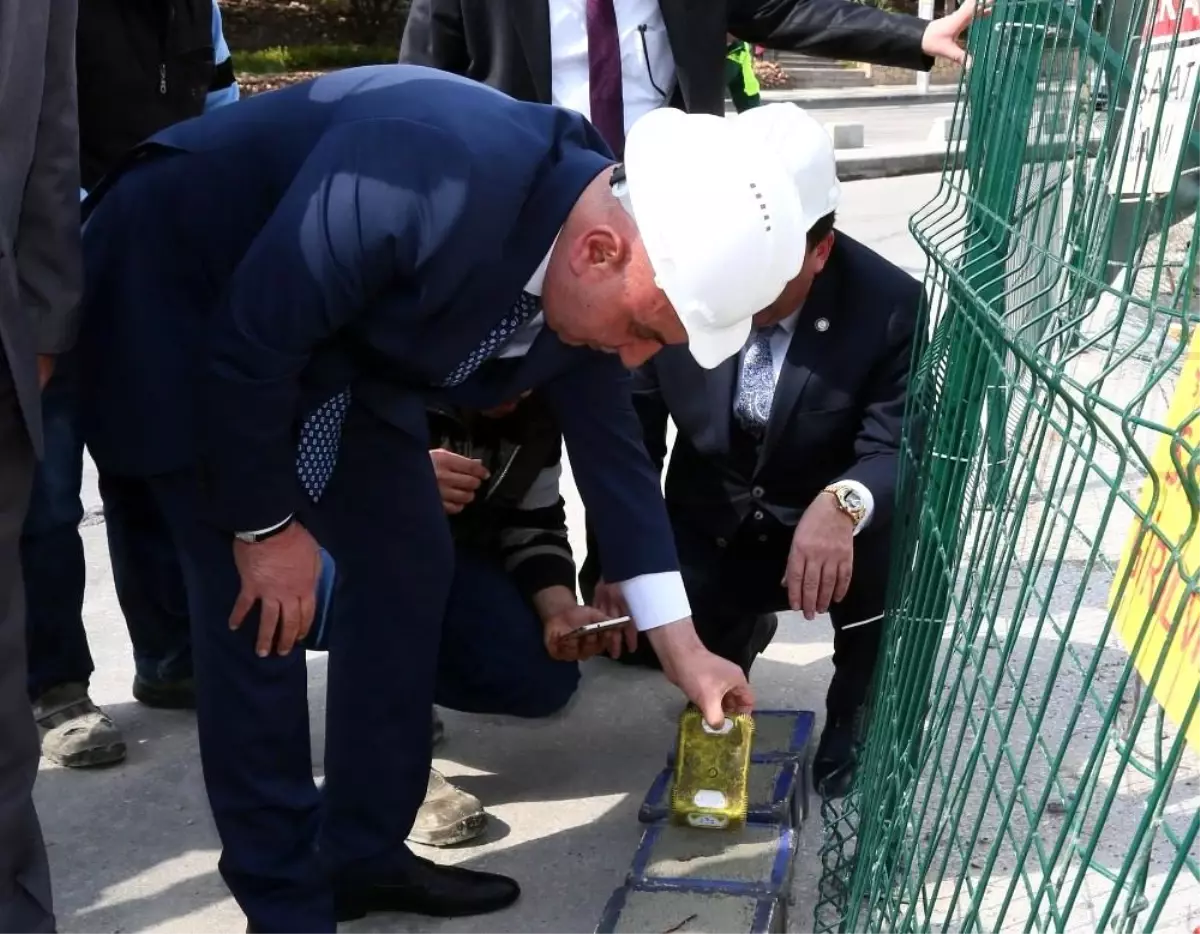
column 429, row 889
column 763, row 634
column 837, row 755
column 165, row 695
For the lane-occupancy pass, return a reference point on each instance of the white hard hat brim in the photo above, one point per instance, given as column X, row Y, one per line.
column 710, row 347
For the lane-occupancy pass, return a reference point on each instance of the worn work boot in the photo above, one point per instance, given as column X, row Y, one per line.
column 448, row 816
column 75, row 732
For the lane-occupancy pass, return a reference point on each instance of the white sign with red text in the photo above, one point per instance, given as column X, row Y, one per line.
column 1163, row 101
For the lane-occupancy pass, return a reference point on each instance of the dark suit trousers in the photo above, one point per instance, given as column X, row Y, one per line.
column 730, row 586
column 381, row 520
column 25, row 899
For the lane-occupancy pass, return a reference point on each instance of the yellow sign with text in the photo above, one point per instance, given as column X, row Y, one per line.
column 1163, row 558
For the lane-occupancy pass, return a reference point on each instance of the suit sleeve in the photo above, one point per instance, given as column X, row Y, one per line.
column 434, row 36
column 877, row 446
column 616, row 479
column 835, row 29
column 354, row 221
column 48, row 261
column 652, row 414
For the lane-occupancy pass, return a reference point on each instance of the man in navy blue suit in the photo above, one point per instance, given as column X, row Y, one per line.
column 275, row 294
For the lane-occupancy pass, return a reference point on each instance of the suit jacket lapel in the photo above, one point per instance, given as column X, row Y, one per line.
column 679, row 29
column 531, row 21
column 719, row 382
column 796, row 371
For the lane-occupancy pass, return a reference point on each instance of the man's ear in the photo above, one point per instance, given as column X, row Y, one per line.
column 600, row 248
column 821, row 252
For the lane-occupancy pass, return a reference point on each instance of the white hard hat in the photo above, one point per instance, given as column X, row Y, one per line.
column 806, row 149
column 720, row 219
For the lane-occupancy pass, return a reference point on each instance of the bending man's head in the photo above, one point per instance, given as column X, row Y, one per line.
column 682, row 243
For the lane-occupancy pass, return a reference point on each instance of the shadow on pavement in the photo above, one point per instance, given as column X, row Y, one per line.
column 134, row 848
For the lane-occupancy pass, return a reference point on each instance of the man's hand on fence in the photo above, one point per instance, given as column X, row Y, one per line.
column 942, row 36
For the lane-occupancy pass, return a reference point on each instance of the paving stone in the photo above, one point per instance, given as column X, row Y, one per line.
column 772, row 791
column 755, row 860
column 781, row 734
column 635, row 910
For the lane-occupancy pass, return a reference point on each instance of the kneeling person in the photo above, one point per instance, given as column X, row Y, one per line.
column 782, row 481
column 505, row 645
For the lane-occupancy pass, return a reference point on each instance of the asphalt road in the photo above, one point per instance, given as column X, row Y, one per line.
column 133, row 847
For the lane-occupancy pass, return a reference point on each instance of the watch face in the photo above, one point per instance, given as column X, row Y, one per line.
column 852, row 499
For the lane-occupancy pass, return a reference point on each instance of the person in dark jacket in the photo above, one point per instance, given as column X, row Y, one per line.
column 503, row 647
column 782, row 482
column 142, row 65
column 614, row 60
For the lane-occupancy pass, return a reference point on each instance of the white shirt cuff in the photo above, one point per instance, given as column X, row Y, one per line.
column 868, row 501
column 270, row 528
column 656, row 599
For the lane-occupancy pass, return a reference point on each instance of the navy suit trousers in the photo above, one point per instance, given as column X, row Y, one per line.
column 381, row 519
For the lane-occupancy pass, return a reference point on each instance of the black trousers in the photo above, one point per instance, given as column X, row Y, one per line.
column 732, row 583
column 25, row 900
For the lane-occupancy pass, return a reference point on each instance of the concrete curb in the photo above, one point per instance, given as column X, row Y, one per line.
column 931, row 156
column 895, row 161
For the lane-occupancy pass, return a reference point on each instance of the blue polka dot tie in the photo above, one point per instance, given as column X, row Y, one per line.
column 756, row 388
column 321, row 433
column 522, row 310
column 320, row 436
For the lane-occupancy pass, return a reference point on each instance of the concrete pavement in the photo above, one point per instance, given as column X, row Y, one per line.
column 133, row 848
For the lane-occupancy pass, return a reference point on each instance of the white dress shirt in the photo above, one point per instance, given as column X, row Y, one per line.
column 781, row 340
column 654, row 599
column 647, row 65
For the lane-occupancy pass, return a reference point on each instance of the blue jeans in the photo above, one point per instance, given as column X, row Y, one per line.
column 146, row 570
column 492, row 658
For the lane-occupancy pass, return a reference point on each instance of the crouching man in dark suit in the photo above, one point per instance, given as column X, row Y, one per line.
column 782, row 479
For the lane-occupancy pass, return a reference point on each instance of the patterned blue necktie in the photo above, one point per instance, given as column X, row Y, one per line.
column 756, row 389
column 320, row 436
column 321, row 433
column 522, row 310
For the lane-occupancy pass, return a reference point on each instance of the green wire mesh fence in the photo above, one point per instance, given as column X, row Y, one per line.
column 1032, row 757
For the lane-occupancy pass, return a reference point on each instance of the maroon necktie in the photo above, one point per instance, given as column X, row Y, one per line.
column 604, row 73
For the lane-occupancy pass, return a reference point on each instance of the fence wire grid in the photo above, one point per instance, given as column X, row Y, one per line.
column 1020, row 771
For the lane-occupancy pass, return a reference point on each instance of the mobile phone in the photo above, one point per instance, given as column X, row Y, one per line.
column 603, row 626
column 317, row 639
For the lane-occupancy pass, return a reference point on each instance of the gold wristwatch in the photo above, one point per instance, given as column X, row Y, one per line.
column 849, row 501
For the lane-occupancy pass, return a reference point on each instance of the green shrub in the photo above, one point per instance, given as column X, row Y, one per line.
column 282, row 59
